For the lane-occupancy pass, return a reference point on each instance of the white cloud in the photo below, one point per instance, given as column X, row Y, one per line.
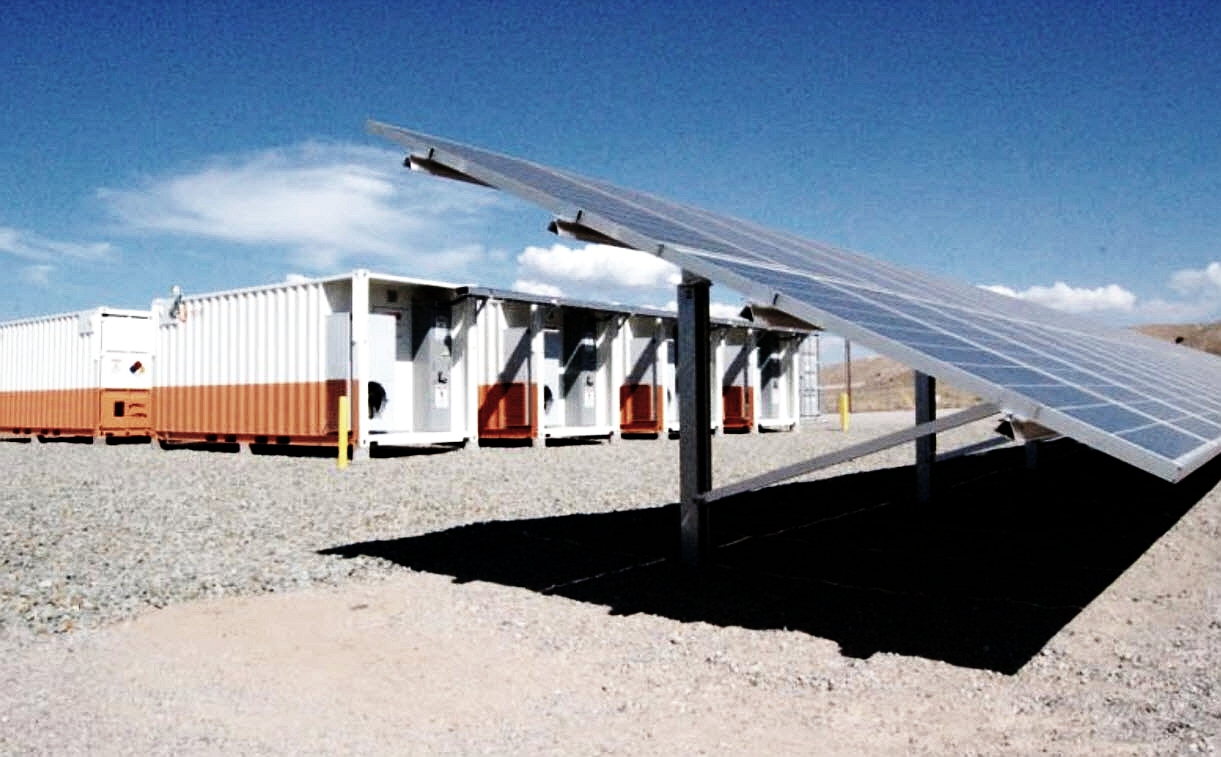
column 1195, row 283
column 542, row 289
column 1198, row 290
column 598, row 264
column 325, row 203
column 724, row 310
column 1061, row 296
column 29, row 246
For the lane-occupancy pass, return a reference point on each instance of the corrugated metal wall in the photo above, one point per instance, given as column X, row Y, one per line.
column 247, row 364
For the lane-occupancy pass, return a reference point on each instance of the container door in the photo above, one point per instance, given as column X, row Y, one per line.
column 516, row 377
column 126, row 384
column 771, row 370
column 553, row 397
column 580, row 369
column 383, row 392
column 433, row 356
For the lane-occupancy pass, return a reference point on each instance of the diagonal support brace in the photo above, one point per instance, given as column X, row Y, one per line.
column 902, row 436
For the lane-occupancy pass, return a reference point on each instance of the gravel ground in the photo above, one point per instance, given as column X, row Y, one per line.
column 96, row 533
column 106, row 648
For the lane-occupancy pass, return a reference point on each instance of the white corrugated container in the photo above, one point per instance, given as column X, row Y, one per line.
column 267, row 365
column 544, row 366
column 77, row 374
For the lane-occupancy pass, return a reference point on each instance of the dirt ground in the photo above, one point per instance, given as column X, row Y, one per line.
column 1021, row 627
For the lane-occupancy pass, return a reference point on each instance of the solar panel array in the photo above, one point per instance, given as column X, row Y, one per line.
column 1150, row 403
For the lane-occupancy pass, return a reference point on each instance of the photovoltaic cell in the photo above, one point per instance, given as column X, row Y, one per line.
column 1153, row 404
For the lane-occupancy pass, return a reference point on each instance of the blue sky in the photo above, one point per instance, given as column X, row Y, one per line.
column 1069, row 153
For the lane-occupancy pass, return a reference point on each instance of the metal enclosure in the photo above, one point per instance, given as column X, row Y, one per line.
column 738, row 379
column 576, row 399
column 779, row 387
column 77, row 374
column 507, row 387
column 267, row 365
column 642, row 391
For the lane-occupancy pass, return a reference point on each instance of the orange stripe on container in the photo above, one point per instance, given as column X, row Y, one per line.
column 51, row 412
column 301, row 413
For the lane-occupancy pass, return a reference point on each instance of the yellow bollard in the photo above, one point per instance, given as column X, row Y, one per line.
column 843, row 411
column 345, row 410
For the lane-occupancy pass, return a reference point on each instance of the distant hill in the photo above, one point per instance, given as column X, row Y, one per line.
column 879, row 383
column 1202, row 336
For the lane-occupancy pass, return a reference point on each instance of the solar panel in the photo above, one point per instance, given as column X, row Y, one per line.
column 1148, row 402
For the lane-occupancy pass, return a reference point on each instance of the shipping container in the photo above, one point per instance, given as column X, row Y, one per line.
column 82, row 374
column 267, row 365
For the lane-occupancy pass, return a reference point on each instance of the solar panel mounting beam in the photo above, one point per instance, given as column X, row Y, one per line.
column 894, row 439
column 575, row 229
column 694, row 416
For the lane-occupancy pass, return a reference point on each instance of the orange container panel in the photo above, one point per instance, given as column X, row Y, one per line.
column 738, row 406
column 640, row 409
column 53, row 412
column 126, row 412
column 289, row 413
column 508, row 411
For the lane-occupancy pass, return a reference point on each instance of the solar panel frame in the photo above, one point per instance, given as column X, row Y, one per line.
column 1068, row 373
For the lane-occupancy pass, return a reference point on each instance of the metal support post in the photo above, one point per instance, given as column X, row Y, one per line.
column 694, row 413
column 926, row 446
column 1032, row 454
column 848, row 373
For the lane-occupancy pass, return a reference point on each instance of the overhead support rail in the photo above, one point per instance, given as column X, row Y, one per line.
column 429, row 166
column 869, row 447
column 580, row 232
